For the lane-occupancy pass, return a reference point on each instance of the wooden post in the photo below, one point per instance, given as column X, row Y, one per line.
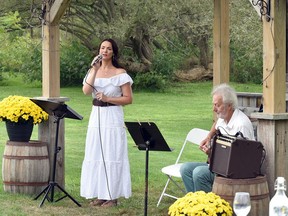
column 272, row 133
column 51, row 84
column 221, row 57
column 50, row 62
column 274, row 59
column 46, row 133
column 273, row 122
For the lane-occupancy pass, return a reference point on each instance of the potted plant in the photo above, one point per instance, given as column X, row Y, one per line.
column 200, row 203
column 20, row 115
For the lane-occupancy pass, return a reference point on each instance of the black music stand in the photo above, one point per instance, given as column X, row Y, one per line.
column 59, row 111
column 147, row 136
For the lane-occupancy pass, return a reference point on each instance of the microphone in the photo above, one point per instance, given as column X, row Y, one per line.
column 97, row 59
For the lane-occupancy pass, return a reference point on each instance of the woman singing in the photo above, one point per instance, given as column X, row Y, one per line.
column 105, row 175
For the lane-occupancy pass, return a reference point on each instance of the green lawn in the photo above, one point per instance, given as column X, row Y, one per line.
column 175, row 112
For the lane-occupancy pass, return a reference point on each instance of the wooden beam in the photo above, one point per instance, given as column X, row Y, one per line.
column 51, row 83
column 221, row 57
column 50, row 62
column 57, row 10
column 274, row 59
column 273, row 122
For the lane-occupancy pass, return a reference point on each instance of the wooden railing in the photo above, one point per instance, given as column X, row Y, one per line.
column 249, row 103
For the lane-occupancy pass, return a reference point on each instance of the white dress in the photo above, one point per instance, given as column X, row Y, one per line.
column 105, row 169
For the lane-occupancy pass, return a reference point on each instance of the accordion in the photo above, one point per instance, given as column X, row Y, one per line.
column 235, row 157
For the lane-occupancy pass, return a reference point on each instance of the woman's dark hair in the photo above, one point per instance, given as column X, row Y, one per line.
column 115, row 57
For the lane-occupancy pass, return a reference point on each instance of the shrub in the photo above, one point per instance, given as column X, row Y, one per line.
column 246, row 64
column 32, row 67
column 75, row 61
column 151, row 81
column 165, row 63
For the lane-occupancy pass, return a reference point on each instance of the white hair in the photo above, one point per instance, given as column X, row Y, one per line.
column 227, row 93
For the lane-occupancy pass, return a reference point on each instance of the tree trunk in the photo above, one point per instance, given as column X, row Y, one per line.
column 142, row 46
column 204, row 51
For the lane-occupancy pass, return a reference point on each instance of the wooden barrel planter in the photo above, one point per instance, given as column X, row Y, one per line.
column 25, row 167
column 257, row 187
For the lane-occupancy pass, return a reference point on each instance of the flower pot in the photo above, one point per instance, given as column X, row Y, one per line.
column 19, row 132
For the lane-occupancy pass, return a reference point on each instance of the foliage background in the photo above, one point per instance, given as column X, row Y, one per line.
column 156, row 38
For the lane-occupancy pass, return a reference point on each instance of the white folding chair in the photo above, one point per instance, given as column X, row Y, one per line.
column 195, row 136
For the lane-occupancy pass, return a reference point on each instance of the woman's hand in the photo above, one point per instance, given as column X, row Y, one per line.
column 96, row 61
column 101, row 97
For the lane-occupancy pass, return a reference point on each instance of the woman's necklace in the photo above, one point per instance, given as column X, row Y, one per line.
column 107, row 71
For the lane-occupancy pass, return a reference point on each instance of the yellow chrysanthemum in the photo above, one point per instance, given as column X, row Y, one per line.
column 200, row 203
column 20, row 109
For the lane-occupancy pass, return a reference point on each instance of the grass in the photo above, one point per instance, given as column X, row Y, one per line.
column 175, row 112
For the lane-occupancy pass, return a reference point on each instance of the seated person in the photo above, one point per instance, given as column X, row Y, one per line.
column 196, row 175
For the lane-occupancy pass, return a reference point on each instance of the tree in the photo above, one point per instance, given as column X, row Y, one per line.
column 141, row 27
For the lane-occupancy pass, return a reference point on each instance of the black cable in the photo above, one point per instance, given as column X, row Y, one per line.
column 218, row 128
column 262, row 160
column 102, row 153
column 239, row 133
column 275, row 59
column 100, row 138
column 235, row 135
column 85, row 80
